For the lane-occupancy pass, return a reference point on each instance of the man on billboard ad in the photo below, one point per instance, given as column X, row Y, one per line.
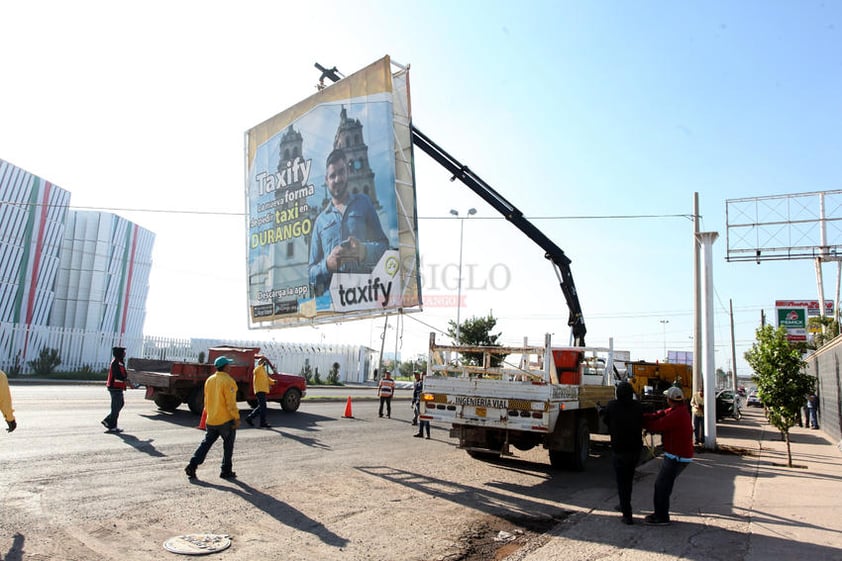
column 323, row 235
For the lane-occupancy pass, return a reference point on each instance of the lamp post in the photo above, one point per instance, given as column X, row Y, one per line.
column 471, row 212
column 664, row 322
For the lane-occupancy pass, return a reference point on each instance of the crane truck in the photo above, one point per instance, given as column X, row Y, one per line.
column 549, row 397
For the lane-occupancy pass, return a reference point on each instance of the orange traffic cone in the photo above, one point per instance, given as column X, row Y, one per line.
column 348, row 414
column 202, row 425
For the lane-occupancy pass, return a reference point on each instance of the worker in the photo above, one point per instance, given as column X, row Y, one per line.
column 116, row 384
column 6, row 403
column 223, row 420
column 385, row 391
column 261, row 382
column 676, row 430
column 624, row 418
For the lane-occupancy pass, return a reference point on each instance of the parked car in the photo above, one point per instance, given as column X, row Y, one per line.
column 753, row 400
column 727, row 405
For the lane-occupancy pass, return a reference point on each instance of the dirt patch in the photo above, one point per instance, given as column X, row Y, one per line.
column 494, row 538
column 727, row 450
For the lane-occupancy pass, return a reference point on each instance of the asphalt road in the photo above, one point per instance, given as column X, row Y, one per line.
column 316, row 486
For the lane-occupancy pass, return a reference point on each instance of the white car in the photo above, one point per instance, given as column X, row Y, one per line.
column 753, row 400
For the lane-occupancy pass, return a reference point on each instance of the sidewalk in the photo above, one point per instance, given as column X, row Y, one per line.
column 746, row 506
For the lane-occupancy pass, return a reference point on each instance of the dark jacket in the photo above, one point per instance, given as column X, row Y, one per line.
column 624, row 417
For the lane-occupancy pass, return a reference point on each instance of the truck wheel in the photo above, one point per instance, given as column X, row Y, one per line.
column 196, row 400
column 167, row 402
column 583, row 447
column 578, row 458
column 291, row 400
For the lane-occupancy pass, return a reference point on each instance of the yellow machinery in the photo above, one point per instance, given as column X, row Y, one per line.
column 651, row 379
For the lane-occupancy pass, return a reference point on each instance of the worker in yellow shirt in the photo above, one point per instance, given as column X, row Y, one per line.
column 6, row 403
column 261, row 382
column 223, row 420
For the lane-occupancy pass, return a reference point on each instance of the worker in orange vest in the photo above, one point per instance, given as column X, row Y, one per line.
column 385, row 391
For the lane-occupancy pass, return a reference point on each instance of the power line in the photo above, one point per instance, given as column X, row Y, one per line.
column 238, row 213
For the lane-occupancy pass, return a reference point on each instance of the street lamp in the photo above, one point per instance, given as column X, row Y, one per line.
column 471, row 212
column 664, row 322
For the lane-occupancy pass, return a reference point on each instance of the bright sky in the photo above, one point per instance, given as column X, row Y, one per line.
column 582, row 111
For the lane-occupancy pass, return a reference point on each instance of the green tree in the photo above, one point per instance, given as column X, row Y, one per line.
column 477, row 331
column 46, row 363
column 782, row 382
column 333, row 375
column 824, row 329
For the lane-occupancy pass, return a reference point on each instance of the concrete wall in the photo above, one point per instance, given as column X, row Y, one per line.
column 826, row 365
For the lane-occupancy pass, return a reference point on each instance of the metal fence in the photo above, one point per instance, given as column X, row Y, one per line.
column 80, row 350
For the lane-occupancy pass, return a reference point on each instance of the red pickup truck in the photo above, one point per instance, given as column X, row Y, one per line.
column 184, row 382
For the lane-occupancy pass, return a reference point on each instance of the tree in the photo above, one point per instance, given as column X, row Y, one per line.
column 782, row 382
column 824, row 329
column 333, row 375
column 477, row 331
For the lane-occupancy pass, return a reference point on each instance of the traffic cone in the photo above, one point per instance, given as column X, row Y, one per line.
column 202, row 425
column 348, row 414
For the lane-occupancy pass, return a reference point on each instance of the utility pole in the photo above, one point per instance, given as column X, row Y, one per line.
column 733, row 354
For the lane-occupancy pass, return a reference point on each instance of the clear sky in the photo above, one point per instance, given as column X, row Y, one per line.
column 583, row 114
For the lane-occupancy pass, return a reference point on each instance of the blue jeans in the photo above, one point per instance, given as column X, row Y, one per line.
column 117, row 403
column 228, row 434
column 699, row 428
column 424, row 426
column 260, row 409
column 670, row 470
column 812, row 417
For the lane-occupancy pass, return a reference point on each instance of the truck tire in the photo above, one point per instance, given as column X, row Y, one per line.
column 578, row 458
column 583, row 447
column 291, row 400
column 196, row 400
column 167, row 402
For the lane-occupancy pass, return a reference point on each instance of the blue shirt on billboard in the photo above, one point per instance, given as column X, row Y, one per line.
column 332, row 228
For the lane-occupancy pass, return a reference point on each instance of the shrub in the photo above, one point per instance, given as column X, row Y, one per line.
column 46, row 363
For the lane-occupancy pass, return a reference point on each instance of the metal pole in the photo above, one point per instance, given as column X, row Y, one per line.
column 382, row 344
column 471, row 212
column 697, row 297
column 664, row 322
column 707, row 239
column 459, row 289
column 733, row 354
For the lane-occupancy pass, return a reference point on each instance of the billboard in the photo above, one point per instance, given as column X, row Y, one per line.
column 795, row 322
column 812, row 306
column 330, row 205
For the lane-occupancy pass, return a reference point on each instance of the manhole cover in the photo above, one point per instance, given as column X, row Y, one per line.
column 197, row 544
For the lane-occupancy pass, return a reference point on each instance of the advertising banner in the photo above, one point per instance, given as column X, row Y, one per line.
column 331, row 221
